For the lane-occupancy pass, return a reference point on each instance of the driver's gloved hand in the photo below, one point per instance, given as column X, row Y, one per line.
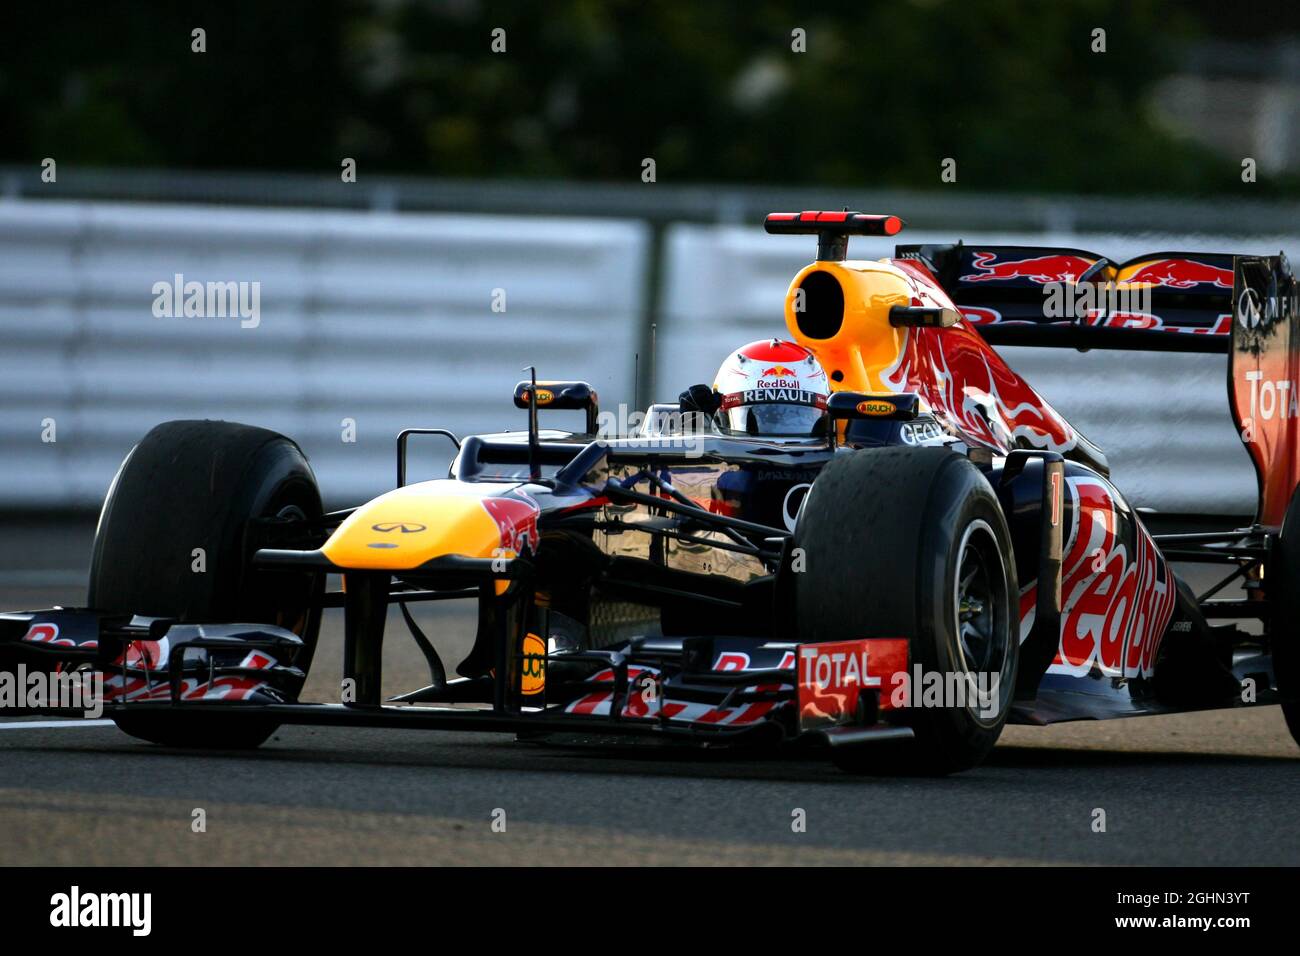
column 699, row 398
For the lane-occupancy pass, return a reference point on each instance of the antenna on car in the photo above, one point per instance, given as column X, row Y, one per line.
column 650, row 363
column 534, row 443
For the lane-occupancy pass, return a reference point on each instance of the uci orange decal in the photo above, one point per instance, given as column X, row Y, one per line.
column 533, row 669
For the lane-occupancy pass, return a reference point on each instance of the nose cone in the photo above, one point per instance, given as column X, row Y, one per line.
column 405, row 528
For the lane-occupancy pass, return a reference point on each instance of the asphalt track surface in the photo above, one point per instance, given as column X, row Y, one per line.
column 1211, row 788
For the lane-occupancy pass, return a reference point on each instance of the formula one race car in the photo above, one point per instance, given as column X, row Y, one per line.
column 876, row 532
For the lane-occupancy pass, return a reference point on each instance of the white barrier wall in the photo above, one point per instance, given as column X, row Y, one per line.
column 1162, row 419
column 386, row 320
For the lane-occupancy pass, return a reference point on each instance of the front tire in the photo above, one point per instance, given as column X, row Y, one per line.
column 911, row 542
column 173, row 541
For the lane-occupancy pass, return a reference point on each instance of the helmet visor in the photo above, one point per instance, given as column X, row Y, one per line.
column 742, row 415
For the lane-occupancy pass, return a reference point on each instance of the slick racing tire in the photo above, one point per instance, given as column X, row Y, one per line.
column 911, row 542
column 1284, row 626
column 197, row 485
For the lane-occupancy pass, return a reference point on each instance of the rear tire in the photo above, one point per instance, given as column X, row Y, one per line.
column 911, row 542
column 1284, row 626
column 196, row 485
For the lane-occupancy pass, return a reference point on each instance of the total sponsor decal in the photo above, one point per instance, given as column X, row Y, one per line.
column 1116, row 601
column 832, row 677
column 1271, row 398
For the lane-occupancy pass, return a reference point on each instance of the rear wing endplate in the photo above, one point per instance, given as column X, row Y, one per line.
column 1263, row 371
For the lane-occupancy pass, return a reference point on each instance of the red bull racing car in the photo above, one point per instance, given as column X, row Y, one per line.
column 873, row 537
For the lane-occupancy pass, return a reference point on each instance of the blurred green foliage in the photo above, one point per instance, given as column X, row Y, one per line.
column 587, row 89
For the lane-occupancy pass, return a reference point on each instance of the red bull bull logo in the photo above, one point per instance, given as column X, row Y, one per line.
column 778, row 376
column 1039, row 269
column 1182, row 274
column 516, row 520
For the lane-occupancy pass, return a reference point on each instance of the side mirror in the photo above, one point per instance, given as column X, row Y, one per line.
column 858, row 406
column 565, row 396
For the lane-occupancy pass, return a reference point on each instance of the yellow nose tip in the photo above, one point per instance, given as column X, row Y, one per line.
column 405, row 528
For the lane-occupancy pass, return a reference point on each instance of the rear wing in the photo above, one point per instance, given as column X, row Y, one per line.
column 1244, row 306
column 1072, row 298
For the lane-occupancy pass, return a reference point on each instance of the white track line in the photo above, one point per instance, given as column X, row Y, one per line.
column 42, row 579
column 52, row 724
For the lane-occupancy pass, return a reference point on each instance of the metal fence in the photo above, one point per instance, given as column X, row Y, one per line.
column 378, row 320
column 387, row 319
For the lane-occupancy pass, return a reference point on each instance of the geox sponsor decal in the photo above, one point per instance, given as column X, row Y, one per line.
column 920, row 432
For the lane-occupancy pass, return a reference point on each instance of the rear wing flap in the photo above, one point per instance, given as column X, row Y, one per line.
column 1073, row 298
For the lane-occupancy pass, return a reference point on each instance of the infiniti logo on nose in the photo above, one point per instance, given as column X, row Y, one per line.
column 406, row 527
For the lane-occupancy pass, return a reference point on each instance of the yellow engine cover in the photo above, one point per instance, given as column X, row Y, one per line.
column 864, row 344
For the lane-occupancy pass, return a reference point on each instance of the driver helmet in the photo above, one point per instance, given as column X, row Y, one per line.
column 772, row 389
